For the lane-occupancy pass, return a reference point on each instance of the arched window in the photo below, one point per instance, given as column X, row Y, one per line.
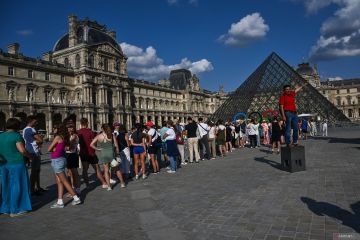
column 66, row 62
column 91, row 61
column 77, row 61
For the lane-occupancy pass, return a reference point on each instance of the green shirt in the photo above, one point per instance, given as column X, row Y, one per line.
column 8, row 151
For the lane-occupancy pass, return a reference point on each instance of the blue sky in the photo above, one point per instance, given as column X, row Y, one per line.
column 221, row 41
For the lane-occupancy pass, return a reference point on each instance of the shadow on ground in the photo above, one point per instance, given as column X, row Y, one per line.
column 339, row 140
column 347, row 218
column 270, row 162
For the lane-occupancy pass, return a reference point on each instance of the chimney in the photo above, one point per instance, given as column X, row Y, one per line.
column 14, row 48
column 112, row 34
column 72, row 30
column 47, row 56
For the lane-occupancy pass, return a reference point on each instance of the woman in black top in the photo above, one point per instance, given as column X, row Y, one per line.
column 138, row 139
column 275, row 135
column 124, row 143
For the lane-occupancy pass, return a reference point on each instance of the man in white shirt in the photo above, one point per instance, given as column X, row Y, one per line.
column 204, row 139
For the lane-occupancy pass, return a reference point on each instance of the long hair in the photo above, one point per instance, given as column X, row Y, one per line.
column 107, row 130
column 63, row 133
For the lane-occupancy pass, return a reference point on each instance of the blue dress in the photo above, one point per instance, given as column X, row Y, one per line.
column 15, row 189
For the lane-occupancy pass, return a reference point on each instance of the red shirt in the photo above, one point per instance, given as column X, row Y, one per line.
column 85, row 138
column 288, row 101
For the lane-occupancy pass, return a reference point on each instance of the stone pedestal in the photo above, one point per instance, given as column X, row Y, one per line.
column 293, row 159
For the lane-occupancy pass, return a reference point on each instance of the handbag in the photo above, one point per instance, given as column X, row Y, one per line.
column 115, row 162
column 179, row 139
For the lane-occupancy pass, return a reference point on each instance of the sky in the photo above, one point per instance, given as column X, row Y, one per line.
column 221, row 41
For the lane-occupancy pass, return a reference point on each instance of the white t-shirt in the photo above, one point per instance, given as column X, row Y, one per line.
column 212, row 132
column 151, row 133
column 170, row 134
column 203, row 128
column 221, row 127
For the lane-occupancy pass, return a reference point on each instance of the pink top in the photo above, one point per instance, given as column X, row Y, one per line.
column 59, row 150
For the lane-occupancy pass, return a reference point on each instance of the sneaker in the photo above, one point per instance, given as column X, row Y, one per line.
column 171, row 171
column 144, row 176
column 136, row 176
column 122, row 185
column 212, row 158
column 76, row 202
column 202, row 159
column 104, row 186
column 109, row 189
column 57, row 205
column 184, row 163
column 168, row 168
column 112, row 181
column 18, row 214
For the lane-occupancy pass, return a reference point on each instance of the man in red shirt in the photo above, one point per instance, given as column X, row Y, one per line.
column 289, row 115
column 87, row 154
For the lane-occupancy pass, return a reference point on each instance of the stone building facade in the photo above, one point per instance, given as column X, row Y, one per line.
column 344, row 94
column 86, row 76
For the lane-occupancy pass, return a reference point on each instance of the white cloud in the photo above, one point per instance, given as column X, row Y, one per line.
column 335, row 78
column 249, row 29
column 339, row 34
column 25, row 32
column 145, row 64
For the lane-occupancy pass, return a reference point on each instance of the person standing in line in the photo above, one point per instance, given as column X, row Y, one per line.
column 32, row 142
column 257, row 132
column 153, row 146
column 212, row 136
column 325, row 128
column 103, row 144
column 304, row 128
column 251, row 129
column 138, row 141
column 204, row 140
column 179, row 131
column 72, row 157
column 221, row 137
column 123, row 144
column 162, row 131
column 58, row 163
column 190, row 132
column 87, row 153
column 171, row 146
column 15, row 194
column 265, row 128
column 228, row 138
column 275, row 135
column 289, row 114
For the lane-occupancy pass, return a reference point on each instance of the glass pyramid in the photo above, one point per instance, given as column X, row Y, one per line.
column 262, row 89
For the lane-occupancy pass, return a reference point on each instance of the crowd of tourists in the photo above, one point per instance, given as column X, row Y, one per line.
column 118, row 155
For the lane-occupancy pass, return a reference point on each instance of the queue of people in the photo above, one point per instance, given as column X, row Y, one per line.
column 117, row 155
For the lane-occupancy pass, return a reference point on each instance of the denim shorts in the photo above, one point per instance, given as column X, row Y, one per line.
column 138, row 149
column 58, row 164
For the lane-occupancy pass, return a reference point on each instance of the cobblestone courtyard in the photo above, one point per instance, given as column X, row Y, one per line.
column 242, row 196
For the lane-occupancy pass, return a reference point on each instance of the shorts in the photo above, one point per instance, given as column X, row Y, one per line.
column 58, row 164
column 138, row 150
column 36, row 162
column 72, row 160
column 153, row 150
column 89, row 159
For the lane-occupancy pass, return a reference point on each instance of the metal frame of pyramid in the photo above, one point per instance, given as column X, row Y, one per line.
column 262, row 89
